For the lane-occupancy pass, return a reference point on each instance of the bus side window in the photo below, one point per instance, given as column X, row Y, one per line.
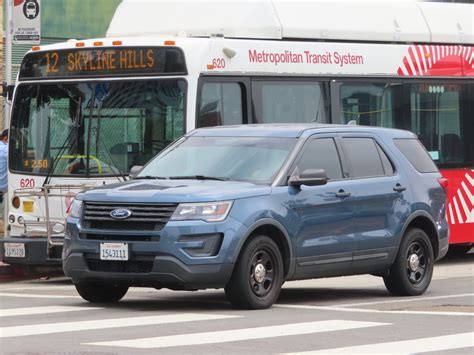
column 369, row 104
column 289, row 101
column 220, row 104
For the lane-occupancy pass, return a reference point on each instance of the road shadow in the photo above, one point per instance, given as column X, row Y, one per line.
column 457, row 258
column 199, row 301
column 180, row 301
column 324, row 295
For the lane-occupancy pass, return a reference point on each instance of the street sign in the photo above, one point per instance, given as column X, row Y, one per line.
column 26, row 21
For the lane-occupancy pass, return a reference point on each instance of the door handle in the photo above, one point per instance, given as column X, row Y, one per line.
column 399, row 188
column 343, row 194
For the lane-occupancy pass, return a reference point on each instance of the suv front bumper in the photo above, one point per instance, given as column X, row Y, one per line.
column 183, row 255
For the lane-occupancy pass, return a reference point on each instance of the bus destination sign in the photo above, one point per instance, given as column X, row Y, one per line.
column 103, row 62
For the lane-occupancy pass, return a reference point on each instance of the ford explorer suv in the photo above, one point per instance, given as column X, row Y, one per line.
column 246, row 208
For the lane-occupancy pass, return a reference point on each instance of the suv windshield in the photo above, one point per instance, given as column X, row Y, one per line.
column 93, row 128
column 252, row 159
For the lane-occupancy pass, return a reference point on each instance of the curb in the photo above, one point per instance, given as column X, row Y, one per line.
column 10, row 273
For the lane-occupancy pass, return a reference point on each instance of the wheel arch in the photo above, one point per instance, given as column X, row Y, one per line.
column 424, row 221
column 279, row 235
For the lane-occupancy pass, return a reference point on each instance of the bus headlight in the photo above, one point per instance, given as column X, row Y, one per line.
column 207, row 211
column 75, row 208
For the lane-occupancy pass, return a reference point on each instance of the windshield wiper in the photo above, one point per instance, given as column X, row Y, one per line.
column 149, row 177
column 66, row 144
column 197, row 177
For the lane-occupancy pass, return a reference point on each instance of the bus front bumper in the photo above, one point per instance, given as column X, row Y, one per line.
column 29, row 251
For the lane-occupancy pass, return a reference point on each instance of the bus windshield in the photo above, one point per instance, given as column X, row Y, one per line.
column 93, row 128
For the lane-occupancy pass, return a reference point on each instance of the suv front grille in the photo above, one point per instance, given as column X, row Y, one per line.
column 119, row 237
column 96, row 215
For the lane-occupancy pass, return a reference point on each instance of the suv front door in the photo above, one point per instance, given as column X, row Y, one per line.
column 324, row 213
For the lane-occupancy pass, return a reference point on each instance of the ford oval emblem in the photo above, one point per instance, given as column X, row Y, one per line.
column 120, row 213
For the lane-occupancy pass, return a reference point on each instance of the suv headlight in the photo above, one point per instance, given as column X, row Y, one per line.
column 75, row 208
column 206, row 211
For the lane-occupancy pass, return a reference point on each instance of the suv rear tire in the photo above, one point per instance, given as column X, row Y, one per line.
column 410, row 274
column 258, row 275
column 101, row 293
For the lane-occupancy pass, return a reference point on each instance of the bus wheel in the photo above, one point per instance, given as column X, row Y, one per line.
column 410, row 274
column 258, row 275
column 101, row 293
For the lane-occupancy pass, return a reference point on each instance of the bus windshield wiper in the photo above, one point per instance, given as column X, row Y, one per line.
column 66, row 144
column 197, row 177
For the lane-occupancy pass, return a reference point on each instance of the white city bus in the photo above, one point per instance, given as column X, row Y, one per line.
column 85, row 112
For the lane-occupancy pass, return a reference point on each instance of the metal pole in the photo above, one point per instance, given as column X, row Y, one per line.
column 8, row 57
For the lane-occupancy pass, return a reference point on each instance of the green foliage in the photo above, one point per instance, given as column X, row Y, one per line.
column 76, row 18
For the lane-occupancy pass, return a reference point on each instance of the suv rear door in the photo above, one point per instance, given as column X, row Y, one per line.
column 380, row 201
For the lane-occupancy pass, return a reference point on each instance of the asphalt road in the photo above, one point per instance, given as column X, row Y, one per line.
column 346, row 315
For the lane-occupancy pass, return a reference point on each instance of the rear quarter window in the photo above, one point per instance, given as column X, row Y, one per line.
column 416, row 154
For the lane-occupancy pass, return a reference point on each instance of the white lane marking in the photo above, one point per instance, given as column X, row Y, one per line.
column 368, row 310
column 26, row 295
column 42, row 310
column 240, row 334
column 50, row 328
column 415, row 346
column 3, row 289
column 409, row 299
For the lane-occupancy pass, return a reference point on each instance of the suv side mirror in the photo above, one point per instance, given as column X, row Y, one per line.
column 309, row 177
column 134, row 171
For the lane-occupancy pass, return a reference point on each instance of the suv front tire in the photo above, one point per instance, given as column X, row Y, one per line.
column 258, row 275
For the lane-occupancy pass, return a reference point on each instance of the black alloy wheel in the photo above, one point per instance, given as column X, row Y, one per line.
column 410, row 274
column 258, row 275
column 417, row 262
column 262, row 272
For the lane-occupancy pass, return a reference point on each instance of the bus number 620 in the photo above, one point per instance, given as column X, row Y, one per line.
column 218, row 63
column 27, row 183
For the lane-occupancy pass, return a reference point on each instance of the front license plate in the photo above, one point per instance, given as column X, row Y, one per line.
column 113, row 251
column 14, row 250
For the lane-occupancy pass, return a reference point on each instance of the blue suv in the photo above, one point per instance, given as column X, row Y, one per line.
column 247, row 208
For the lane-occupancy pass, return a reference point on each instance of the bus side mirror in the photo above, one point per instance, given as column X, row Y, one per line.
column 7, row 91
column 134, row 171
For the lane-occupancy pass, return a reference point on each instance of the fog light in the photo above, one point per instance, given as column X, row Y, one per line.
column 58, row 228
column 21, row 220
column 201, row 245
column 11, row 218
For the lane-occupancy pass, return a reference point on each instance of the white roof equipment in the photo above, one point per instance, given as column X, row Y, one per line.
column 372, row 21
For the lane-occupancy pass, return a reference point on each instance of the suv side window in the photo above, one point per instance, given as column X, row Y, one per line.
column 321, row 153
column 416, row 154
column 364, row 157
column 387, row 164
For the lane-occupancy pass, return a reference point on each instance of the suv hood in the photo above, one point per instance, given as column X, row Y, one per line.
column 174, row 191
